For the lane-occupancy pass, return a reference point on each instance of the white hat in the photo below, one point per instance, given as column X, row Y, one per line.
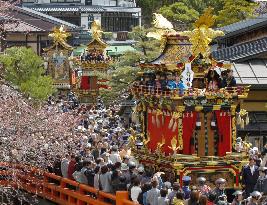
column 85, row 137
column 255, row 149
column 88, row 145
column 124, row 167
column 140, row 169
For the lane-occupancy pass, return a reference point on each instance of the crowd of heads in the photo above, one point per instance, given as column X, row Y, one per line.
column 94, row 56
column 89, row 144
column 162, row 81
column 169, row 80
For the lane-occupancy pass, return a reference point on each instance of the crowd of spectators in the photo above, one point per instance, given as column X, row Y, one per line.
column 89, row 144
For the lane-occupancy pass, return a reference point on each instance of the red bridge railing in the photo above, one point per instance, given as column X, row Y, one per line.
column 57, row 189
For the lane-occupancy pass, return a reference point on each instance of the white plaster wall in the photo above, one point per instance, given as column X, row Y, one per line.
column 97, row 17
column 84, row 20
column 43, row 1
column 104, row 2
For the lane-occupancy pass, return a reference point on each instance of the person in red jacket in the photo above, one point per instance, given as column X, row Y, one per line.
column 72, row 167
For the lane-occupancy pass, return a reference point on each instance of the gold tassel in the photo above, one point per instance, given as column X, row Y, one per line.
column 171, row 123
column 238, row 120
column 242, row 125
column 174, row 126
column 247, row 120
column 162, row 120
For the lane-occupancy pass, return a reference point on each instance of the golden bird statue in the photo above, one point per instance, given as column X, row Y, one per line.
column 162, row 26
column 203, row 34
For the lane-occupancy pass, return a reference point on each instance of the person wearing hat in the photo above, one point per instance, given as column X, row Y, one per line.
column 202, row 186
column 219, row 190
column 125, row 172
column 222, row 200
column 261, row 184
column 250, row 175
column 186, row 188
column 238, row 198
column 254, row 199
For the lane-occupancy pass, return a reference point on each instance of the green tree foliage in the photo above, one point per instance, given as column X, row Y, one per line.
column 179, row 13
column 185, row 12
column 124, row 71
column 39, row 88
column 24, row 69
column 234, row 11
column 148, row 47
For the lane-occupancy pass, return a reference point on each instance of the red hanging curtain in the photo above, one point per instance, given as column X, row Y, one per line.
column 224, row 131
column 189, row 124
column 157, row 132
column 154, row 132
column 85, row 83
column 169, row 133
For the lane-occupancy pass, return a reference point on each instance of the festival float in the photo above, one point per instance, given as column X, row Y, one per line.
column 57, row 59
column 189, row 129
column 86, row 83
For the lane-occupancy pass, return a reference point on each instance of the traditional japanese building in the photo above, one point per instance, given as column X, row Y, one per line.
column 245, row 45
column 31, row 28
column 114, row 15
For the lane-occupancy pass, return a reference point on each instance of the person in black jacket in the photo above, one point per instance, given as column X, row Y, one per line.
column 250, row 175
column 261, row 184
column 89, row 173
column 57, row 166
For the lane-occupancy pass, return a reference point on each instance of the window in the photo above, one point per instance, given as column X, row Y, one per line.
column 28, row 1
column 90, row 20
column 65, row 1
column 88, row 2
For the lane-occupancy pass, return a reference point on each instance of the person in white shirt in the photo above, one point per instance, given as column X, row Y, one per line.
column 153, row 194
column 65, row 165
column 114, row 156
column 135, row 190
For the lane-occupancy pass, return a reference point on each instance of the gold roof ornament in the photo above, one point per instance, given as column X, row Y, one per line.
column 162, row 26
column 96, row 30
column 59, row 36
column 97, row 43
column 203, row 34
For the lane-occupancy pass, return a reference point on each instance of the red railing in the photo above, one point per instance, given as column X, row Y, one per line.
column 57, row 189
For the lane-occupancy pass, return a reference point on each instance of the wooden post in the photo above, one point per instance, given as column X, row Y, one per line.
column 121, row 196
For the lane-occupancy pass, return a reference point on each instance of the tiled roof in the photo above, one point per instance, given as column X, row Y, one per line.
column 241, row 51
column 30, row 20
column 20, row 27
column 48, row 17
column 253, row 72
column 244, row 25
column 59, row 8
